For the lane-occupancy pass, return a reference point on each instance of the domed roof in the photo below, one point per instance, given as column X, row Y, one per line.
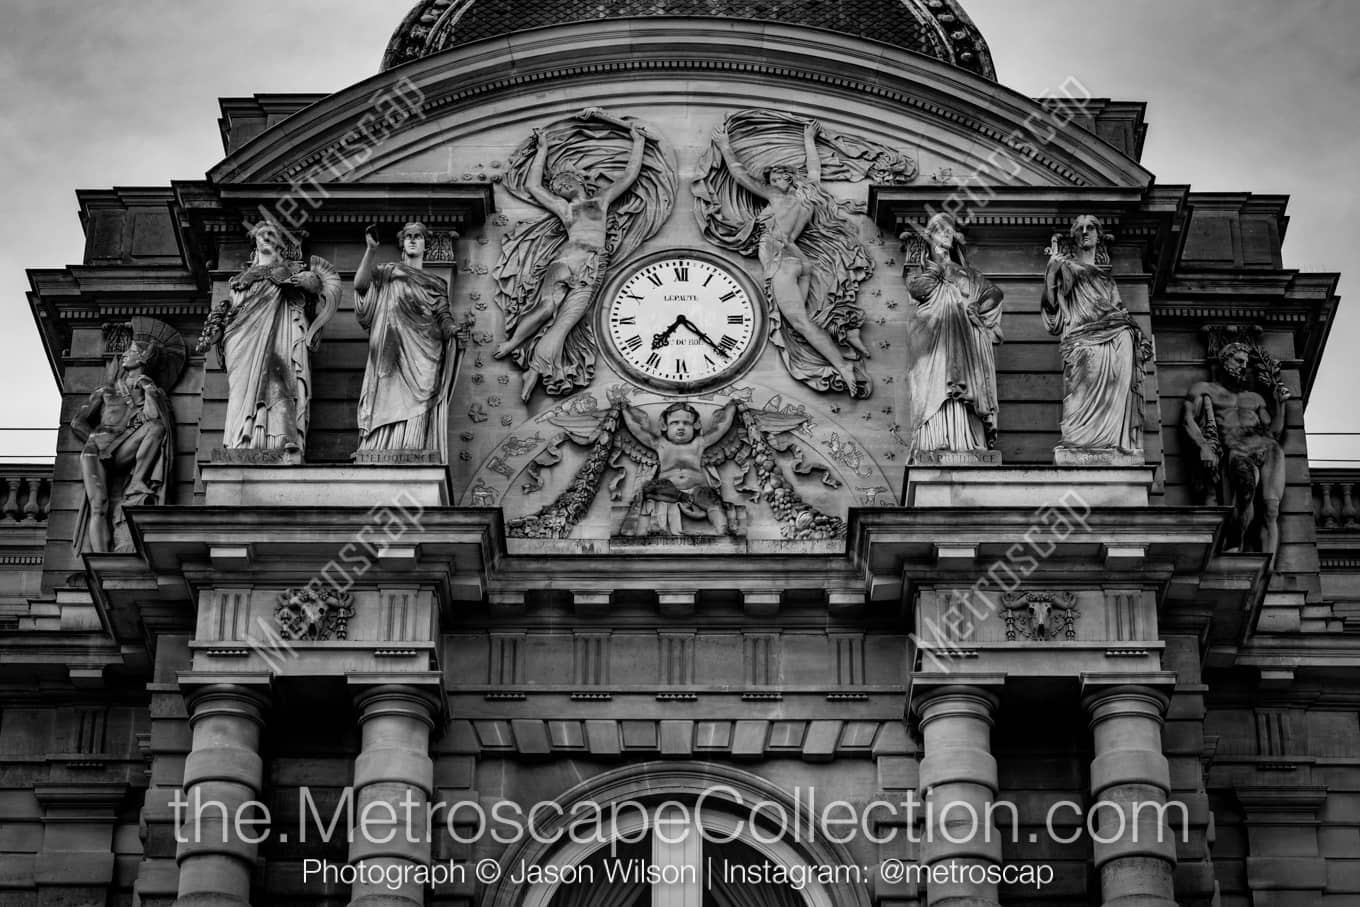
column 937, row 28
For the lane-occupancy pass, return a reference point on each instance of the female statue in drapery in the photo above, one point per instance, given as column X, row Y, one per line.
column 608, row 185
column 953, row 374
column 760, row 194
column 265, row 334
column 1103, row 349
column 412, row 351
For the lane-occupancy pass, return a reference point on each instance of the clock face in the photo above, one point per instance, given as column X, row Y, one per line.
column 682, row 322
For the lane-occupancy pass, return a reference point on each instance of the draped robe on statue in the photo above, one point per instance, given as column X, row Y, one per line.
column 953, row 376
column 1103, row 352
column 267, row 361
column 403, row 403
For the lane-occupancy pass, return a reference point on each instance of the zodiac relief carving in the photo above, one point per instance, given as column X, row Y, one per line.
column 607, row 184
column 1103, row 351
column 679, row 492
column 1235, row 438
column 953, row 370
column 128, row 432
column 760, row 193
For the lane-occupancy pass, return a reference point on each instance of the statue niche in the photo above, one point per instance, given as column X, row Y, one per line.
column 953, row 369
column 264, row 335
column 1103, row 352
column 129, row 435
column 607, row 184
column 1235, row 439
column 414, row 350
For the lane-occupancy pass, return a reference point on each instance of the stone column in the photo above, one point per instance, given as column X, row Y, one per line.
column 393, row 781
column 222, row 774
column 1129, row 783
column 958, row 783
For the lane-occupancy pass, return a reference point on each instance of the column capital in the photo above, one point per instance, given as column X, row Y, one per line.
column 979, row 693
column 424, row 701
column 242, row 695
column 1143, row 695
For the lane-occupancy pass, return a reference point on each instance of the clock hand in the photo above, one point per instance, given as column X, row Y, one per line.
column 660, row 340
column 701, row 335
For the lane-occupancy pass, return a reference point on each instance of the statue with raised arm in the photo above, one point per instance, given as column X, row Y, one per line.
column 762, row 195
column 265, row 335
column 413, row 349
column 1235, row 439
column 603, row 198
column 1103, row 349
column 953, row 371
column 680, row 486
column 128, row 431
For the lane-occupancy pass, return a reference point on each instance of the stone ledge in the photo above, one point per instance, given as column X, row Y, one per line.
column 370, row 485
column 1028, row 486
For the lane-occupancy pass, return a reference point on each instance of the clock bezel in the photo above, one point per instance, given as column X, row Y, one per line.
column 673, row 387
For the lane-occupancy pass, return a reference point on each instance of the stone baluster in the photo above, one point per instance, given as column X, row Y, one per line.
column 1130, row 780
column 222, row 774
column 1350, row 518
column 958, row 784
column 31, row 507
column 393, row 768
column 1327, row 510
column 12, row 499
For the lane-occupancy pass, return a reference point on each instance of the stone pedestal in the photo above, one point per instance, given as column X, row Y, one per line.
column 1130, row 781
column 393, row 768
column 76, row 862
column 1027, row 486
column 222, row 773
column 392, row 485
column 1096, row 456
column 956, row 458
column 958, row 781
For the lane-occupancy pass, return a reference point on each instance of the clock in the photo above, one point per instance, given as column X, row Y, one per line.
column 680, row 322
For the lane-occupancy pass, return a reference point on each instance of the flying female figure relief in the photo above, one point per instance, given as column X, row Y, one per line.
column 805, row 239
column 550, row 273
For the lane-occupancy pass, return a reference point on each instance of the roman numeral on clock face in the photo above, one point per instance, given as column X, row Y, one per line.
column 681, row 367
column 681, row 273
column 656, row 281
column 625, row 319
column 729, row 297
column 633, row 343
column 736, row 319
column 654, row 360
column 727, row 343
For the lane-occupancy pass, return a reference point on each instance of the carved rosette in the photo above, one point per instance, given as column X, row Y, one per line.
column 313, row 615
column 1040, row 615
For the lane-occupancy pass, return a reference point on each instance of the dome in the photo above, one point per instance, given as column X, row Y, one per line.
column 936, row 28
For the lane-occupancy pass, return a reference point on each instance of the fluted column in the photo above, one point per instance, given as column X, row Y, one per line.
column 958, row 783
column 1130, row 781
column 221, row 775
column 393, row 768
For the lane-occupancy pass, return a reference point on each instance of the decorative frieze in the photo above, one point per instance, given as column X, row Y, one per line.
column 1040, row 615
column 313, row 614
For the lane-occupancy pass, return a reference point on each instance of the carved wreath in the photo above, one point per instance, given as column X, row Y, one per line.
column 311, row 614
column 1040, row 615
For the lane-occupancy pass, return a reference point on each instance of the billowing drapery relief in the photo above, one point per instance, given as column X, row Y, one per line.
column 760, row 194
column 413, row 352
column 265, row 334
column 953, row 366
column 679, row 492
column 1235, row 441
column 129, row 435
column 607, row 184
column 1103, row 351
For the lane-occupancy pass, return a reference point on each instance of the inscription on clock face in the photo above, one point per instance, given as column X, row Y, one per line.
column 682, row 323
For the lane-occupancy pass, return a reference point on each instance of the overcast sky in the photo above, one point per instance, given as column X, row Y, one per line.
column 1243, row 95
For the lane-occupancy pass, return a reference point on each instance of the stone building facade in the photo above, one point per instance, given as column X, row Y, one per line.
column 1137, row 659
